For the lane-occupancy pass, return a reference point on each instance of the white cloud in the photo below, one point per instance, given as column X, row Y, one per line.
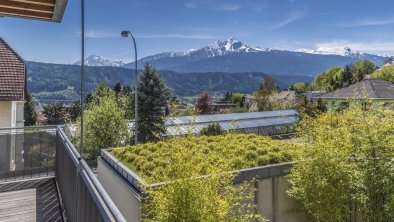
column 369, row 22
column 214, row 6
column 100, row 34
column 370, row 47
column 292, row 17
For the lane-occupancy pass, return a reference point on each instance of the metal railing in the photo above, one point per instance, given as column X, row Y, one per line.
column 83, row 196
column 27, row 153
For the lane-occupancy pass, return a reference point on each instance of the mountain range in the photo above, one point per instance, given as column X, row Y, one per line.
column 41, row 76
column 234, row 56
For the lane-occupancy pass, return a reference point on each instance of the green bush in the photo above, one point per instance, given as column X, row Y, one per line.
column 386, row 73
column 105, row 126
column 213, row 129
column 345, row 169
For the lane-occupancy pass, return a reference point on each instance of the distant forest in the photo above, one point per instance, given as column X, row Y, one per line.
column 62, row 82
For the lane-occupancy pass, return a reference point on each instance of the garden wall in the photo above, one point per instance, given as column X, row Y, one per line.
column 272, row 201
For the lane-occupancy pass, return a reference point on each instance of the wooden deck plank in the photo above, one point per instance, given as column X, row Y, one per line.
column 34, row 204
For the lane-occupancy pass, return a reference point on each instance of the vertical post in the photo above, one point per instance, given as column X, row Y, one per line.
column 78, row 193
column 82, row 70
column 135, row 93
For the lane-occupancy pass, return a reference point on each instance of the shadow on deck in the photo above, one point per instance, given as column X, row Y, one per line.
column 30, row 200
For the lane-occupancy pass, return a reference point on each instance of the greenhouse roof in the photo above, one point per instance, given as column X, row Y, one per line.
column 233, row 121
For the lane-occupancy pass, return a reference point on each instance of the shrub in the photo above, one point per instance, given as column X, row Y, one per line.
column 106, row 127
column 346, row 169
column 213, row 129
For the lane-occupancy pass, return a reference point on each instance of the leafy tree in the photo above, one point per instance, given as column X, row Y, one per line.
column 346, row 169
column 106, row 125
column 74, row 110
column 56, row 113
column 330, row 80
column 204, row 103
column 362, row 68
column 300, row 87
column 267, row 87
column 153, row 97
column 385, row 73
column 29, row 111
column 125, row 100
column 236, row 98
column 213, row 129
column 100, row 93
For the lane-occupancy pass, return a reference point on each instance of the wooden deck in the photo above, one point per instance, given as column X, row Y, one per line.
column 31, row 204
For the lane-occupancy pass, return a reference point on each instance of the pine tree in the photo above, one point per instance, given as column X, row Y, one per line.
column 117, row 88
column 153, row 96
column 74, row 110
column 56, row 113
column 29, row 111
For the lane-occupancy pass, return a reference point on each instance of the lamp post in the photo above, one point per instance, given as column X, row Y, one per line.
column 126, row 34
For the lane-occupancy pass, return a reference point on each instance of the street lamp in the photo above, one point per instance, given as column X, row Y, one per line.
column 126, row 34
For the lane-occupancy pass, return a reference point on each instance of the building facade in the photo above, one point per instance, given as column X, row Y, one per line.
column 12, row 87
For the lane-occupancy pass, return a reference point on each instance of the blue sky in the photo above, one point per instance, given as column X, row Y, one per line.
column 172, row 25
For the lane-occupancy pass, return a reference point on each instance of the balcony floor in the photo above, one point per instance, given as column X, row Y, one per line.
column 32, row 204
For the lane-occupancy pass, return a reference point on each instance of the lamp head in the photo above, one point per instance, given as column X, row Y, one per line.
column 125, row 33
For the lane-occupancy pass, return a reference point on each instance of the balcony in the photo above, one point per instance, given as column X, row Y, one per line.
column 43, row 178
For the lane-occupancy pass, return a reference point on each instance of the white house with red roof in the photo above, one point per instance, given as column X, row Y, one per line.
column 12, row 87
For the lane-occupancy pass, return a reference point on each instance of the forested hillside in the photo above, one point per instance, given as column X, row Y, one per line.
column 61, row 82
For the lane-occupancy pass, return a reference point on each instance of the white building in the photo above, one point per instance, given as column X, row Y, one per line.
column 12, row 87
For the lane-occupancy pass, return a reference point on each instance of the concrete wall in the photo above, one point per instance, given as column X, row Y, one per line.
column 274, row 203
column 126, row 199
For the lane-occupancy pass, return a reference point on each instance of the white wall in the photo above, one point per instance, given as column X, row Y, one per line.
column 128, row 203
column 5, row 114
column 20, row 122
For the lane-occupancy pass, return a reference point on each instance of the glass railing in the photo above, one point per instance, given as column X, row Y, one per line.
column 27, row 152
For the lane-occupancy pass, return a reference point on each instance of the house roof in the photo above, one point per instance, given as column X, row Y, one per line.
column 12, row 74
column 48, row 10
column 366, row 89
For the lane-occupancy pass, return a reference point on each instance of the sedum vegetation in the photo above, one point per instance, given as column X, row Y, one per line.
column 195, row 183
column 346, row 168
column 151, row 160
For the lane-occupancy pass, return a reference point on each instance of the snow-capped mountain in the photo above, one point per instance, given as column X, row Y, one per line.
column 216, row 49
column 231, row 45
column 95, row 60
column 342, row 51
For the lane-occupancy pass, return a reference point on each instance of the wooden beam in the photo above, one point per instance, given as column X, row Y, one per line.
column 26, row 14
column 38, row 2
column 26, row 6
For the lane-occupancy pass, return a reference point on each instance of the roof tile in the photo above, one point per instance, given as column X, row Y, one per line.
column 12, row 74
